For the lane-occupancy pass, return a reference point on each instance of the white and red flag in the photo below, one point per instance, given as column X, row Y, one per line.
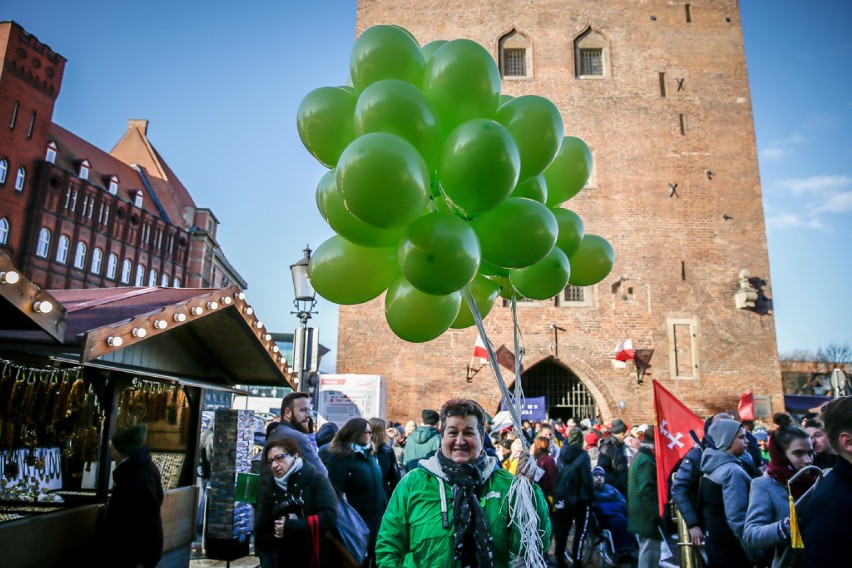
column 671, row 437
column 479, row 351
column 745, row 408
column 623, row 351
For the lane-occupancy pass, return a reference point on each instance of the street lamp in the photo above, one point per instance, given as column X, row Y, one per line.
column 305, row 339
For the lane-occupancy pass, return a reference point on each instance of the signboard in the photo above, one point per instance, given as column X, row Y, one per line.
column 342, row 397
column 534, row 408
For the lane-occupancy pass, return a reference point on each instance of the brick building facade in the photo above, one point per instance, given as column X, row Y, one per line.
column 659, row 91
column 75, row 216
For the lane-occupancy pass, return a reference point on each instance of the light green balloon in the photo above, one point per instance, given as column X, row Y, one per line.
column 431, row 48
column 544, row 279
column 416, row 316
column 439, row 253
column 383, row 180
column 479, row 165
column 324, row 121
column 485, row 292
column 463, row 83
column 517, row 233
column 506, row 288
column 534, row 188
column 346, row 273
column 385, row 52
column 571, row 230
column 536, row 127
column 569, row 171
column 400, row 108
column 332, row 209
column 592, row 262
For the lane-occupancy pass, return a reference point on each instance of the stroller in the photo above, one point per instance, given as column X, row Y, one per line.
column 600, row 549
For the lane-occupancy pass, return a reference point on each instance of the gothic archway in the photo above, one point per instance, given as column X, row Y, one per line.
column 565, row 394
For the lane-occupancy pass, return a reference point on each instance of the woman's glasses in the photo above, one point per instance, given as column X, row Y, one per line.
column 279, row 459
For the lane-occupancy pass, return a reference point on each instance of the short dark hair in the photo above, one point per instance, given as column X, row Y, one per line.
column 837, row 417
column 285, row 442
column 463, row 407
column 288, row 400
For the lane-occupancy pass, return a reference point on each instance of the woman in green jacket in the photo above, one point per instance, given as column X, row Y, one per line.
column 453, row 510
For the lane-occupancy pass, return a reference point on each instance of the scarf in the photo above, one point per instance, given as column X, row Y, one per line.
column 366, row 450
column 282, row 481
column 781, row 470
column 472, row 541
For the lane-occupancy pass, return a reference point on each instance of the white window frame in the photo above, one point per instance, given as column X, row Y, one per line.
column 50, row 153
column 62, row 246
column 97, row 260
column 43, row 246
column 113, row 185
column 84, row 169
column 112, row 265
column 80, row 255
column 152, row 278
column 176, row 282
column 672, row 348
column 164, row 280
column 4, row 170
column 126, row 269
column 140, row 275
column 137, row 199
column 20, row 178
column 4, row 230
column 588, row 300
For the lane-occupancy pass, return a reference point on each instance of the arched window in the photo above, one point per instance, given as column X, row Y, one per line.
column 21, row 178
column 43, row 245
column 112, row 265
column 591, row 55
column 126, row 269
column 152, row 278
column 4, row 231
column 4, row 169
column 176, row 282
column 140, row 275
column 80, row 256
column 515, row 55
column 62, row 249
column 97, row 257
column 164, row 280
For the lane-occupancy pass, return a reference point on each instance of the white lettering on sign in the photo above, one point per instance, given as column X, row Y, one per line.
column 674, row 439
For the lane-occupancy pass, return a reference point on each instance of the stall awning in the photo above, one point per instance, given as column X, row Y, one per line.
column 802, row 403
column 24, row 306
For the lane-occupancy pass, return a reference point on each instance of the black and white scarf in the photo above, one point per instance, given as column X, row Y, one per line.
column 472, row 542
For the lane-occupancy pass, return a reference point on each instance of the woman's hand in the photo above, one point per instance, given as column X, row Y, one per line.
column 279, row 528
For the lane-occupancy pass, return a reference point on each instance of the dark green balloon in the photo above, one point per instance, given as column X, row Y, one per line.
column 571, row 230
column 517, row 233
column 569, row 171
column 592, row 262
column 544, row 279
column 534, row 188
column 416, row 316
column 324, row 121
column 485, row 292
column 385, row 52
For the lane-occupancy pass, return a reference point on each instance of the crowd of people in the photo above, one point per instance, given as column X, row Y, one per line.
column 435, row 493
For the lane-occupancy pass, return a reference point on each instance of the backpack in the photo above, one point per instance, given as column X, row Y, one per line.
column 569, row 483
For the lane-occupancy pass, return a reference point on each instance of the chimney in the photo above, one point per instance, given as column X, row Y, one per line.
column 140, row 124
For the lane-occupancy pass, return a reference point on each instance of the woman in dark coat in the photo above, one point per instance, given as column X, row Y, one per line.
column 134, row 528
column 385, row 455
column 303, row 508
column 354, row 470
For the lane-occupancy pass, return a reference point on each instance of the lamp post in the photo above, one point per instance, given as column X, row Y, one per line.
column 305, row 339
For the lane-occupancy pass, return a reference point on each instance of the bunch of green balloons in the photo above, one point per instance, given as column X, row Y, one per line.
column 437, row 182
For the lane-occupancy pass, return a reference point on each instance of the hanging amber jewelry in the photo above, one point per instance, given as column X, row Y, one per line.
column 77, row 397
column 61, row 409
column 14, row 406
column 7, row 383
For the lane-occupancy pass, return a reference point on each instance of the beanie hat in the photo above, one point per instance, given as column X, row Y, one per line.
column 618, row 426
column 586, row 424
column 430, row 417
column 129, row 440
column 591, row 439
column 326, row 433
column 598, row 470
column 575, row 436
column 723, row 431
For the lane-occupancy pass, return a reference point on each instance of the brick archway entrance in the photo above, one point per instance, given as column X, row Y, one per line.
column 565, row 394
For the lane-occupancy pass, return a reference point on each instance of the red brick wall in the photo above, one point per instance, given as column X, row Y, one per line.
column 681, row 257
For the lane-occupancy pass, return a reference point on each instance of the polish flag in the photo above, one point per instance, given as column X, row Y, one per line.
column 479, row 351
column 745, row 408
column 623, row 351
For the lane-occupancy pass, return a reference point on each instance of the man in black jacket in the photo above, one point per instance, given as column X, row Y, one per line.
column 573, row 492
column 612, row 457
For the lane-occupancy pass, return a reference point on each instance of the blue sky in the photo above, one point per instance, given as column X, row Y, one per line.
column 220, row 86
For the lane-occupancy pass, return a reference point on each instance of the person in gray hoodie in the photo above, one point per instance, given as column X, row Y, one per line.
column 724, row 496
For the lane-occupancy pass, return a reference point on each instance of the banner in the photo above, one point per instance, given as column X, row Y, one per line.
column 745, row 408
column 671, row 437
column 533, row 408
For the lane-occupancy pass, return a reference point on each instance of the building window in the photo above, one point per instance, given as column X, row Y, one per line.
column 164, row 281
column 50, row 155
column 683, row 348
column 576, row 297
column 4, row 231
column 515, row 50
column 80, row 256
column 97, row 257
column 4, row 169
column 32, row 125
column 112, row 266
column 62, row 249
column 113, row 185
column 84, row 169
column 176, row 282
column 137, row 199
column 140, row 275
column 43, row 245
column 20, row 178
column 152, row 278
column 14, row 115
column 591, row 55
column 126, row 269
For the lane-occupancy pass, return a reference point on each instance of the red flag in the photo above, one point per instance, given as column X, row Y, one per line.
column 671, row 436
column 623, row 351
column 745, row 409
column 479, row 350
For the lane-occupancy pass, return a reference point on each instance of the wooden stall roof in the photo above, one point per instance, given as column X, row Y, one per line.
column 19, row 302
column 203, row 335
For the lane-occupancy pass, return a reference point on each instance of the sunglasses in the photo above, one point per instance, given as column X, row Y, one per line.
column 279, row 459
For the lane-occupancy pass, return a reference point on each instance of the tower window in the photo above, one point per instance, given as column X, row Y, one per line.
column 515, row 62
column 514, row 52
column 43, row 245
column 591, row 61
column 50, row 154
column 20, row 178
column 591, row 55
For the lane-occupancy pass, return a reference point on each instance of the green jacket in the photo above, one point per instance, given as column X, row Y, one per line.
column 412, row 533
column 643, row 517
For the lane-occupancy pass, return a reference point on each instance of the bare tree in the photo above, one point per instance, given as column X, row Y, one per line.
column 798, row 355
column 835, row 353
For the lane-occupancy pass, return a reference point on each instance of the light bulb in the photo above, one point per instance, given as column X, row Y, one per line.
column 114, row 341
column 248, row 311
column 212, row 305
column 43, row 307
column 197, row 310
column 258, row 324
column 10, row 277
column 139, row 332
column 275, row 349
column 180, row 317
column 160, row 324
column 240, row 296
column 226, row 300
column 267, row 337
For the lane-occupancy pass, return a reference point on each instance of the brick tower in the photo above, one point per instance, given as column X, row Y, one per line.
column 659, row 91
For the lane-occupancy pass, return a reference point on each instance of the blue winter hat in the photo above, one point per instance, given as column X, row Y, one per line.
column 598, row 470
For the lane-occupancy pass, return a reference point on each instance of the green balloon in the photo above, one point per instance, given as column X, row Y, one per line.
column 534, row 188
column 544, row 279
column 431, row 48
column 332, row 209
column 592, row 262
column 517, row 233
column 568, row 172
column 385, row 52
column 383, row 180
column 439, row 253
column 479, row 165
column 400, row 108
column 571, row 230
column 485, row 292
column 463, row 82
column 346, row 273
column 324, row 122
column 504, row 99
column 416, row 316
column 536, row 126
column 489, row 269
column 506, row 288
